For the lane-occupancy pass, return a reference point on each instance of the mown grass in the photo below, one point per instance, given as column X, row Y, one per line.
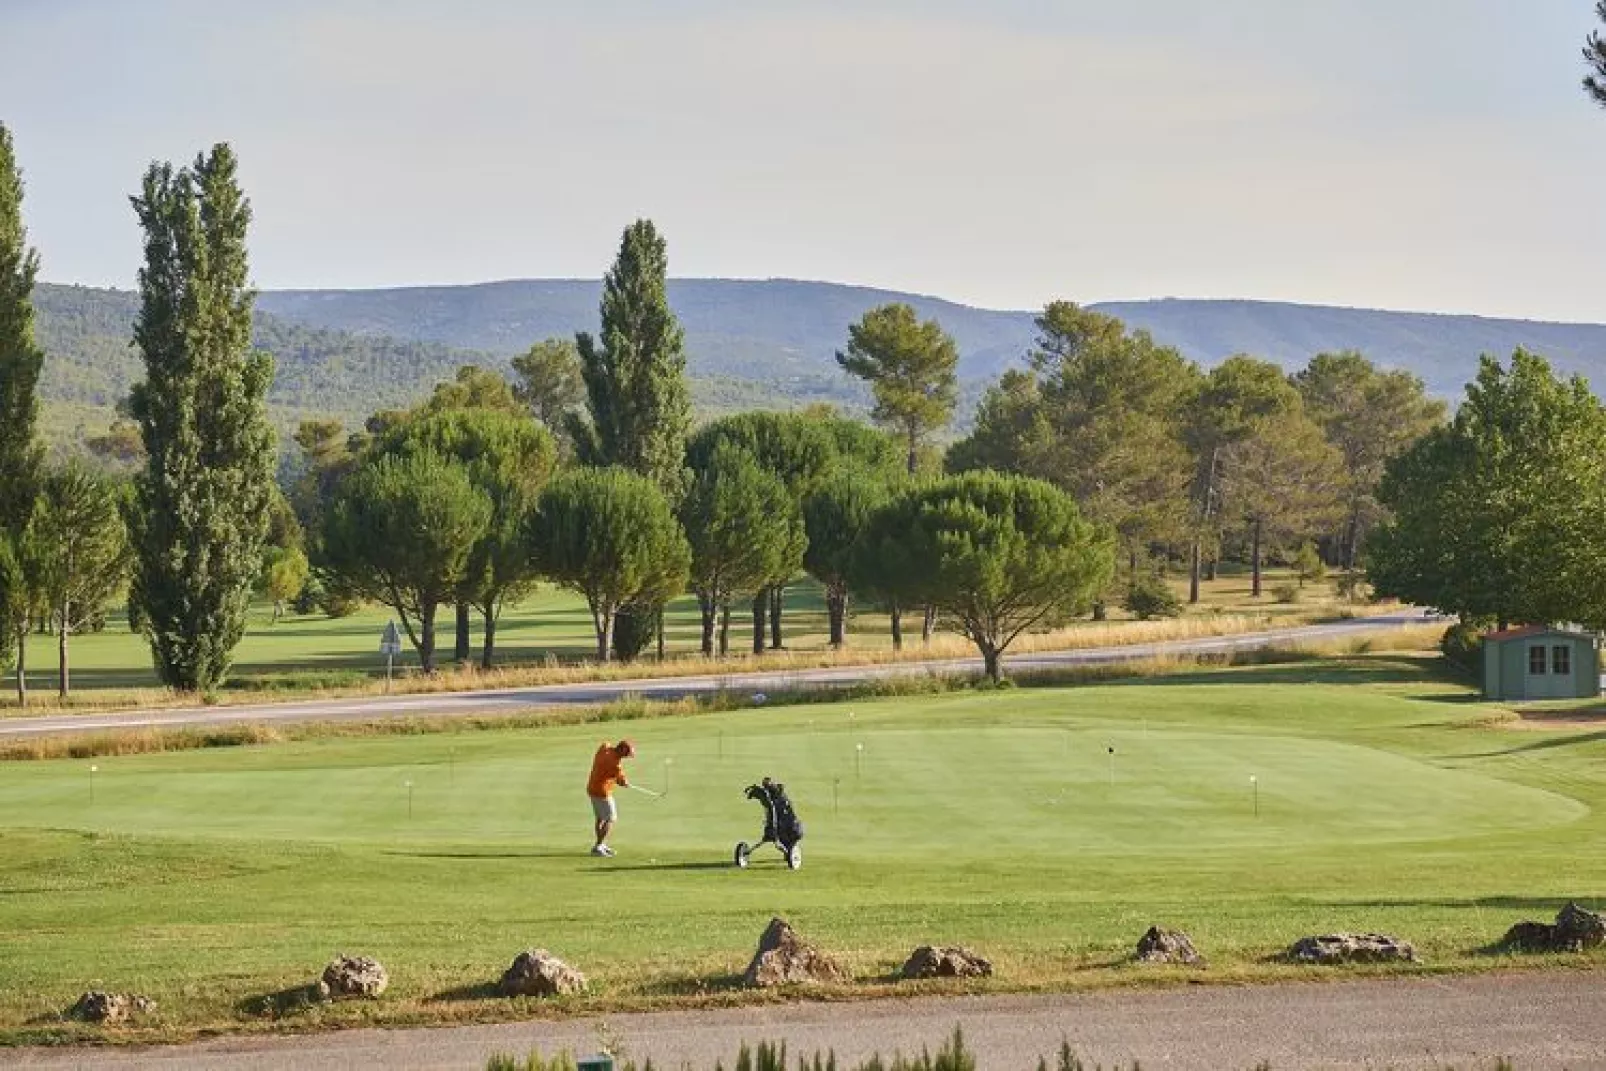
column 122, row 742
column 213, row 880
column 547, row 640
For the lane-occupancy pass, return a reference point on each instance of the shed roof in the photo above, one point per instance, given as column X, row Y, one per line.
column 1535, row 630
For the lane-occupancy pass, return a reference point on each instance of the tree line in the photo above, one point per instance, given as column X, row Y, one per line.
column 1104, row 461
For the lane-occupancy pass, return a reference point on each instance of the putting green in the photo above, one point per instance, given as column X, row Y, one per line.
column 877, row 785
column 995, row 819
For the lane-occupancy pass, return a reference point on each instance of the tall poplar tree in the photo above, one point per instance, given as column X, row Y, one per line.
column 635, row 380
column 201, row 505
column 635, row 368
column 20, row 362
column 20, row 356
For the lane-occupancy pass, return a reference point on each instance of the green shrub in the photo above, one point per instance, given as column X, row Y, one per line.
column 1150, row 597
column 1351, row 585
column 1285, row 592
column 1462, row 645
column 309, row 598
column 1308, row 563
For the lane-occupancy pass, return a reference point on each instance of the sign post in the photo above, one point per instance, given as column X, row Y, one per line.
column 390, row 647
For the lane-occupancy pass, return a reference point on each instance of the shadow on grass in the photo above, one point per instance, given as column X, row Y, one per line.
column 724, row 864
column 694, row 986
column 465, row 993
column 1545, row 904
column 443, row 854
column 1546, row 744
column 286, row 1002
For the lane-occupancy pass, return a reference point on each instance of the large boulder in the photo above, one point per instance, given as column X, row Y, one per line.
column 1578, row 929
column 1168, row 946
column 1352, row 948
column 784, row 958
column 930, row 961
column 538, row 973
column 353, row 976
column 96, row 1006
column 1574, row 930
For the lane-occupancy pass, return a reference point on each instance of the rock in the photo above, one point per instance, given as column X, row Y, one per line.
column 538, row 973
column 1530, row 937
column 783, row 958
column 1578, row 929
column 111, row 1008
column 928, row 961
column 352, row 976
column 1168, row 946
column 1574, row 930
column 1352, row 948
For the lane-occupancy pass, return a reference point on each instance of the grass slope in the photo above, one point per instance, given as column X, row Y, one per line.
column 212, row 880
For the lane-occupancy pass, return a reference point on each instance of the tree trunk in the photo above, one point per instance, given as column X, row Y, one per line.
column 660, row 622
column 914, row 449
column 1254, row 560
column 927, row 626
column 1210, row 568
column 22, row 665
column 602, row 621
column 710, row 613
column 836, row 609
column 761, row 602
column 776, row 594
column 1193, row 572
column 725, row 629
column 488, row 647
column 278, row 608
column 426, row 639
column 1352, row 537
column 990, row 662
column 897, row 629
column 1101, row 610
column 63, row 673
column 464, row 649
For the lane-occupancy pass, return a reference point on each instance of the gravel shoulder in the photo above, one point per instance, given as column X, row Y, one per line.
column 1535, row 1019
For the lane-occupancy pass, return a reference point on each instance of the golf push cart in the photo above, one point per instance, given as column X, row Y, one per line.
column 781, row 825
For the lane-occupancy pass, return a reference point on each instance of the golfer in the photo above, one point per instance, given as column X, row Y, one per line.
column 607, row 770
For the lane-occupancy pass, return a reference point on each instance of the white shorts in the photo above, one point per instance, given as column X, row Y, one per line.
column 604, row 809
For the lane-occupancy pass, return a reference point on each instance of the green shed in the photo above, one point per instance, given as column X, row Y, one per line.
column 1541, row 663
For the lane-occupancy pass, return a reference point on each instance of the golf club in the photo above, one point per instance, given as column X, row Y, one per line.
column 647, row 791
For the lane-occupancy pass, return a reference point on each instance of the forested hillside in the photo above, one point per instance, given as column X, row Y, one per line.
column 89, row 364
column 1443, row 350
column 778, row 329
column 750, row 344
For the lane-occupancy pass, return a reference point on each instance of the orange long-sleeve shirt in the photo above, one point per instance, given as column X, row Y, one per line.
column 607, row 770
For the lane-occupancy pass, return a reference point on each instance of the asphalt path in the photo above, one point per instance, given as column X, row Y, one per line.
column 1537, row 1020
column 514, row 700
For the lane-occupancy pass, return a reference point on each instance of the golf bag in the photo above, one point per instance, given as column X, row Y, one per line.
column 782, row 827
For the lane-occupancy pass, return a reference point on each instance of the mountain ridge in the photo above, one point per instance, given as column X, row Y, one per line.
column 764, row 342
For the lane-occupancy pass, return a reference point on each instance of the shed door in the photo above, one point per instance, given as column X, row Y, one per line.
column 1550, row 672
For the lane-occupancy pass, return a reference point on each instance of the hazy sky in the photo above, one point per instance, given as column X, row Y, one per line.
column 1418, row 154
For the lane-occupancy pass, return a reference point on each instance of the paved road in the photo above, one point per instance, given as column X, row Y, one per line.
column 1538, row 1020
column 510, row 700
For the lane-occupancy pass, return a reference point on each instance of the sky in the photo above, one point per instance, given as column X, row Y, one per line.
column 1433, row 155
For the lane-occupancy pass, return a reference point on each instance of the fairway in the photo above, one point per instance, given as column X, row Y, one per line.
column 1000, row 820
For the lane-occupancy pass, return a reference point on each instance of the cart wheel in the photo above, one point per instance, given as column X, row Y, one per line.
column 743, row 853
column 794, row 856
